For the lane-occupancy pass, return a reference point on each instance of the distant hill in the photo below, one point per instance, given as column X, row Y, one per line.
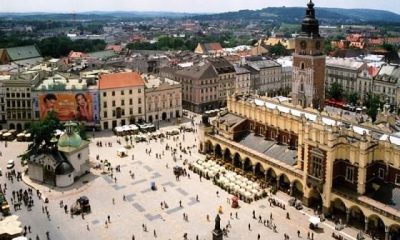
column 93, row 15
column 295, row 14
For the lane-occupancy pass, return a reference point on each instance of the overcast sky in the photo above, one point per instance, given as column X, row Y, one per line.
column 180, row 5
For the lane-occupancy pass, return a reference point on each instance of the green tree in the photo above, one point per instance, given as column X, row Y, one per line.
column 352, row 98
column 278, row 50
column 335, row 91
column 42, row 134
column 372, row 103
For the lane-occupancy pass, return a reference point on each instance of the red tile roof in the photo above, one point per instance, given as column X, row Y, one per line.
column 115, row 48
column 120, row 80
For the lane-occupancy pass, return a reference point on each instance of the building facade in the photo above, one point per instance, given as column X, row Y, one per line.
column 242, row 80
column 200, row 85
column 345, row 72
column 163, row 98
column 122, row 99
column 308, row 88
column 352, row 173
column 386, row 84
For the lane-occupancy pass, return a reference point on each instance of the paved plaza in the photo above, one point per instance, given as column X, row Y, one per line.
column 143, row 206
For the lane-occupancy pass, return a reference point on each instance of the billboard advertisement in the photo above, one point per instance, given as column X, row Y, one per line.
column 78, row 106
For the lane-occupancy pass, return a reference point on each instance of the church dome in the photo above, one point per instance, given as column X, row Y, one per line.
column 70, row 138
column 64, row 168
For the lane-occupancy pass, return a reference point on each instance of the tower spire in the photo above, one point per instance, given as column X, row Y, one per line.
column 310, row 26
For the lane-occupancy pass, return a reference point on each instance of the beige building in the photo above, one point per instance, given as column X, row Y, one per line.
column 269, row 76
column 364, row 84
column 386, row 84
column 242, row 81
column 122, row 99
column 344, row 71
column 347, row 171
column 200, row 86
column 226, row 78
column 163, row 98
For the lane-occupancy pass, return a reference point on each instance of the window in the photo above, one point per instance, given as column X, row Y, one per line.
column 122, row 92
column 139, row 90
column 122, row 102
column 381, row 173
column 130, row 111
column 130, row 91
column 130, row 101
column 140, row 100
column 316, row 167
column 140, row 110
column 350, row 174
column 79, row 156
column 397, row 179
column 105, row 114
column 113, row 113
column 113, row 103
column 112, row 93
column 104, row 94
column 104, row 104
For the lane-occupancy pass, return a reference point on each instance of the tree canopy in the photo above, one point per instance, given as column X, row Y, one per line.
column 372, row 103
column 335, row 91
column 42, row 133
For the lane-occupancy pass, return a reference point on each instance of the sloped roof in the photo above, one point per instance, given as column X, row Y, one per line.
column 114, row 47
column 103, row 54
column 24, row 52
column 221, row 65
column 120, row 80
column 212, row 47
column 205, row 71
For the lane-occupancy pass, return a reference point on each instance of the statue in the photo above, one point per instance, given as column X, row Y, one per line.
column 217, row 232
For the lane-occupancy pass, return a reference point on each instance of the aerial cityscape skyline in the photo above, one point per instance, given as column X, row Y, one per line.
column 196, row 6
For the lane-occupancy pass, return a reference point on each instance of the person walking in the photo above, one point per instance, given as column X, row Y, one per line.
column 249, row 227
column 154, row 233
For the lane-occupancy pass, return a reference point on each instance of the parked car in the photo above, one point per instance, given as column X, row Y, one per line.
column 10, row 164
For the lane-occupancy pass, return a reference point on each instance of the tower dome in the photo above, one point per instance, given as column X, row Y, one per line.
column 70, row 138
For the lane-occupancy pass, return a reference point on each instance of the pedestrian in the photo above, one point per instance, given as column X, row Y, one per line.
column 109, row 219
column 236, row 215
column 29, row 229
column 106, row 224
column 113, row 201
column 133, row 237
column 180, row 203
column 217, row 194
column 254, row 214
column 208, row 218
column 154, row 233
column 287, row 215
column 87, row 226
column 258, row 237
column 197, row 198
column 270, row 217
column 249, row 227
column 312, row 236
column 298, row 233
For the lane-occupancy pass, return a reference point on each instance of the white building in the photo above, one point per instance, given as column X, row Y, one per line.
column 122, row 99
column 163, row 98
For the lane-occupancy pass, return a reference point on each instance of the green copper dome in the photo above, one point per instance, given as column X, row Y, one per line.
column 70, row 138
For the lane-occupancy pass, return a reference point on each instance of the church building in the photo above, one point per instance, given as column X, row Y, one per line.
column 68, row 160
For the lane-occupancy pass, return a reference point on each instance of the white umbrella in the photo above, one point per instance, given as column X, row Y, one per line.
column 314, row 220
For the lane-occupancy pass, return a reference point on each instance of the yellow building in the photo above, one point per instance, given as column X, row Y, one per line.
column 350, row 172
